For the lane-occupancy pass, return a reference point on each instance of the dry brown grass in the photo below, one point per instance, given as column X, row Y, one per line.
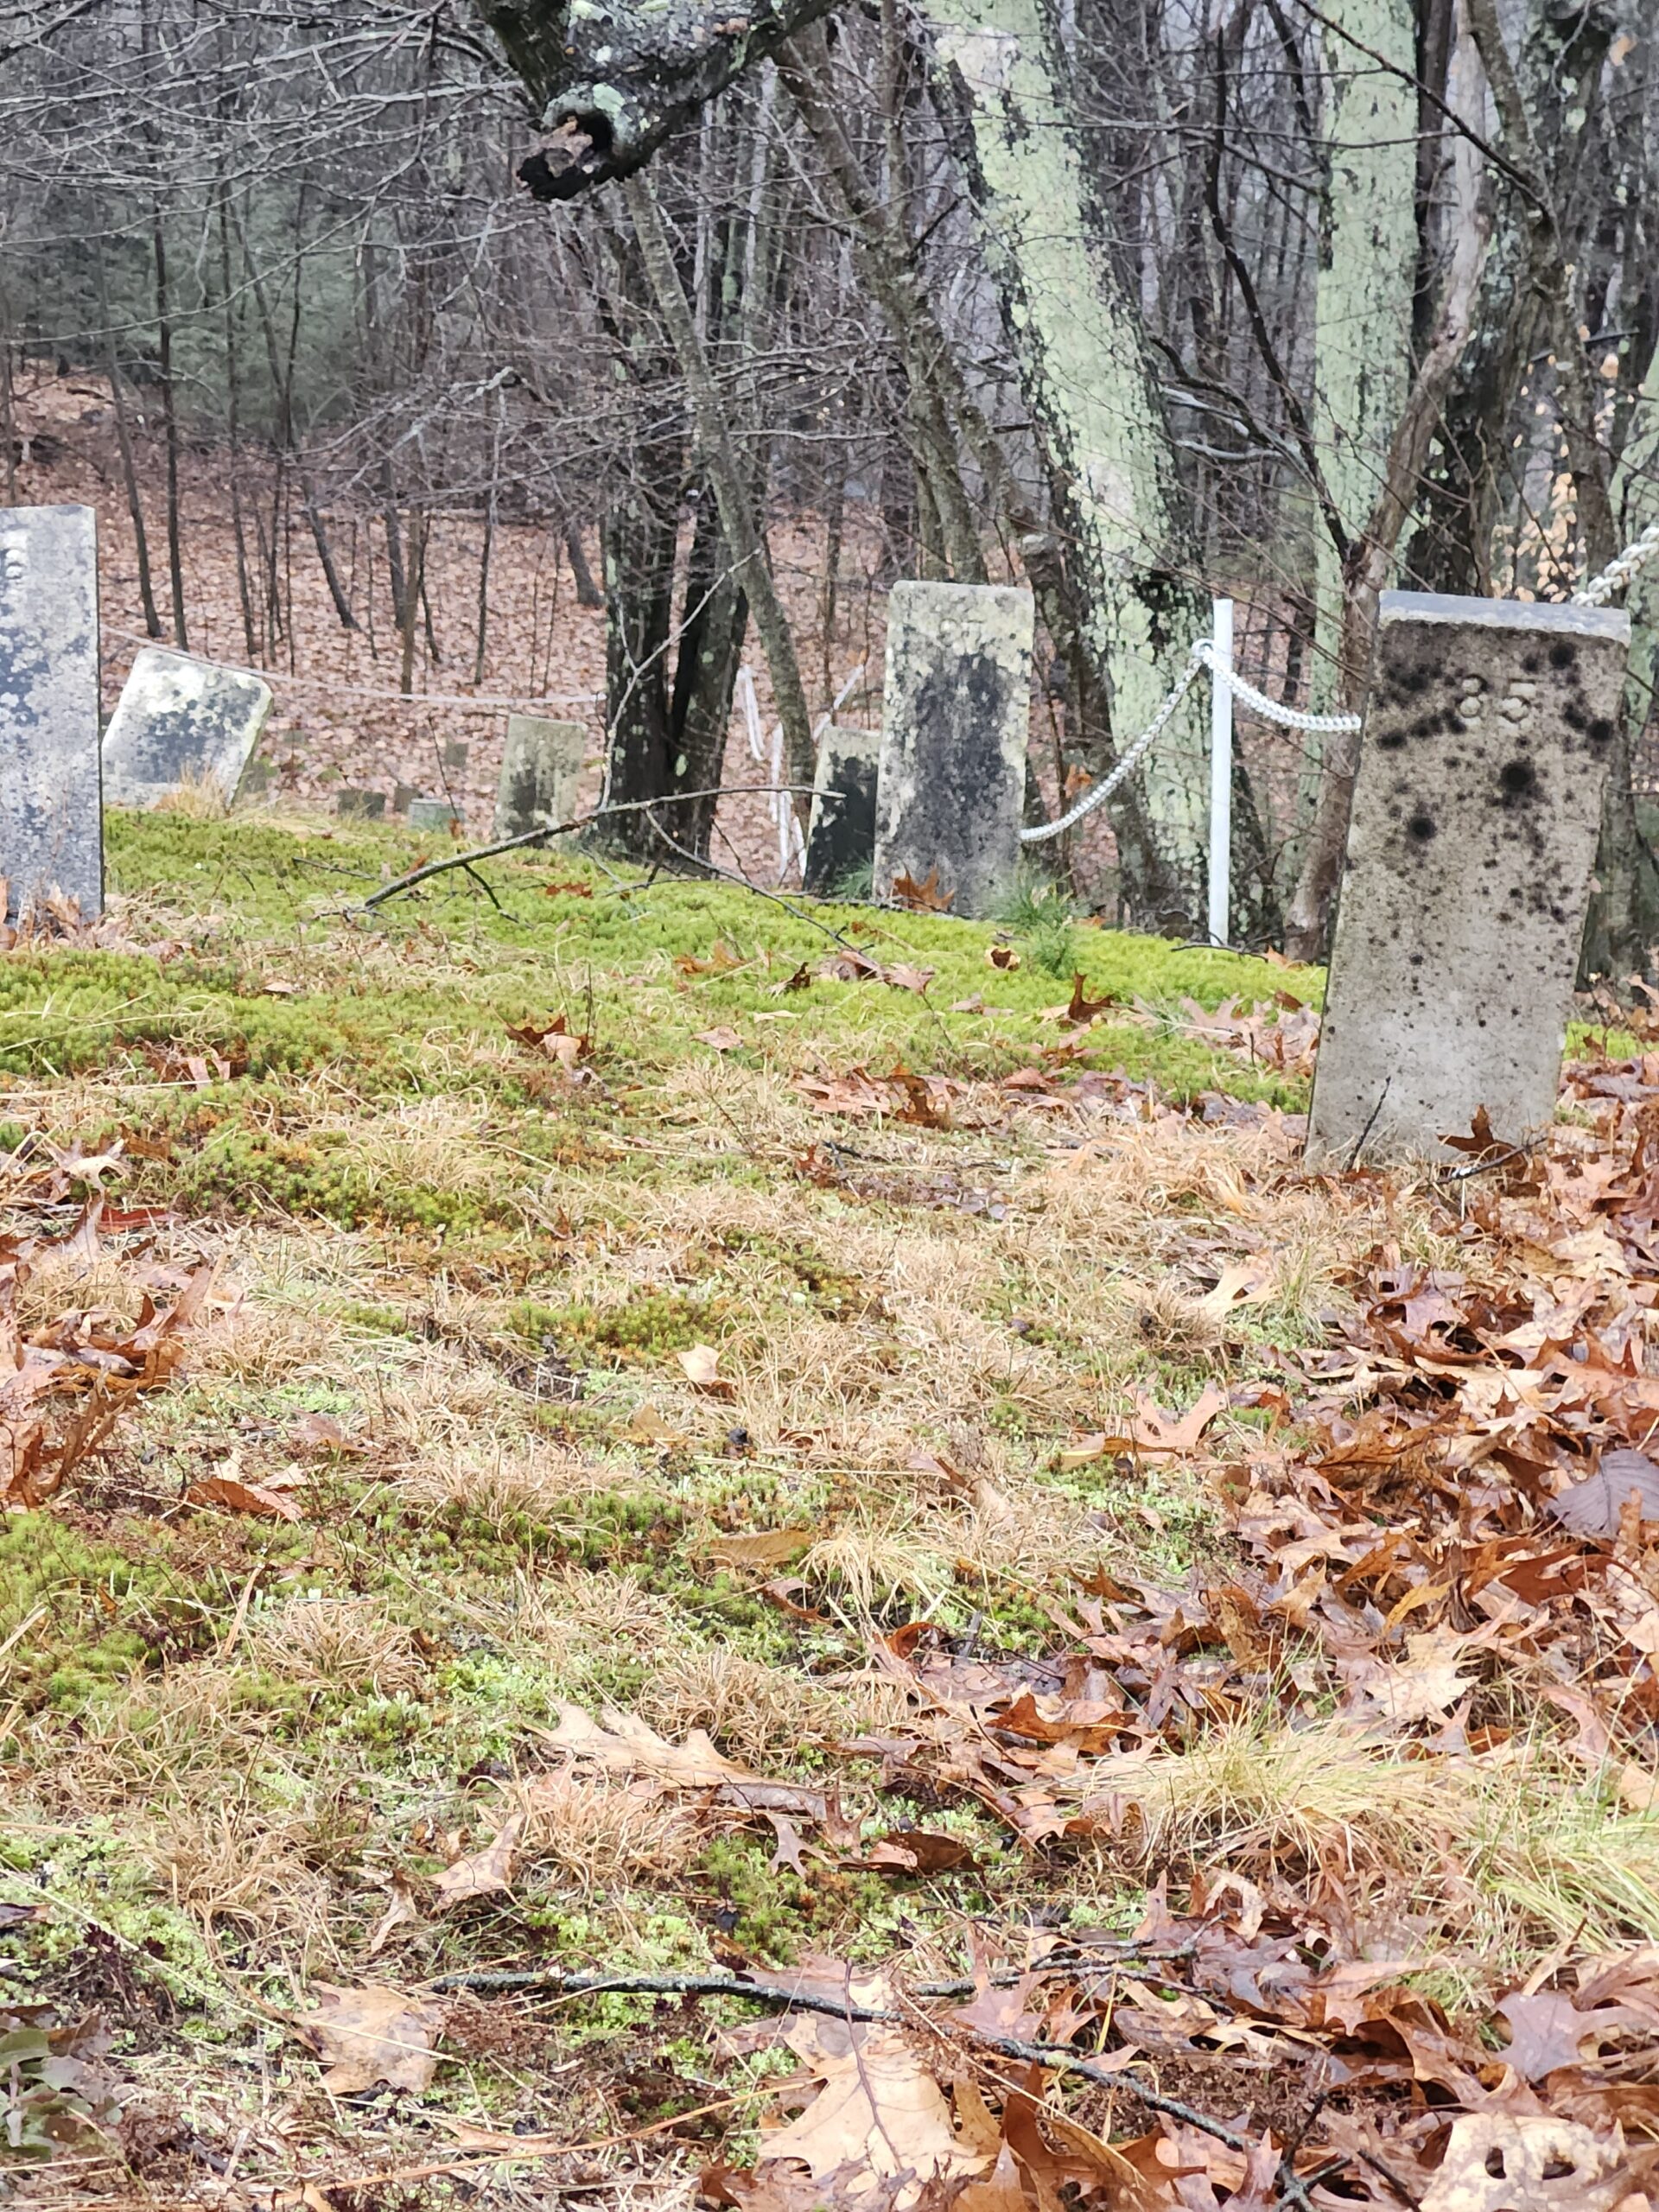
column 229, row 1863
column 337, row 1644
column 597, row 1835
column 502, row 1483
column 756, row 1714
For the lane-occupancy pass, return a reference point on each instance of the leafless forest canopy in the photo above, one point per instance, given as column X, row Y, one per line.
column 1161, row 300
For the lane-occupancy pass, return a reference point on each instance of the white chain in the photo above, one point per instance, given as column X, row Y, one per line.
column 1286, row 717
column 1620, row 570
column 1128, row 762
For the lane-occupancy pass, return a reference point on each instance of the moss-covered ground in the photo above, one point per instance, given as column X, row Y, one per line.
column 533, row 1337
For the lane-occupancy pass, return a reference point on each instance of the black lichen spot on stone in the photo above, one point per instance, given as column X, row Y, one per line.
column 1518, row 781
column 1574, row 716
column 1421, row 827
column 1601, row 731
column 1529, row 663
column 1391, row 740
column 1561, row 655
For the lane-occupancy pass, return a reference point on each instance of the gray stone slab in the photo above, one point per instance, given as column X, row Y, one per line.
column 1475, row 813
column 841, row 835
column 51, row 807
column 435, row 814
column 360, row 806
column 180, row 721
column 955, row 719
column 541, row 768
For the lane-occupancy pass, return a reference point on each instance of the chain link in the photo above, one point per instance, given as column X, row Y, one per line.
column 1286, row 717
column 1099, row 793
column 1621, row 570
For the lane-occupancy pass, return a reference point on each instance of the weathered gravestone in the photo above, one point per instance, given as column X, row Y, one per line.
column 841, row 835
column 434, row 814
column 51, row 811
column 541, row 768
column 51, row 819
column 955, row 718
column 360, row 806
column 180, row 721
column 1476, row 814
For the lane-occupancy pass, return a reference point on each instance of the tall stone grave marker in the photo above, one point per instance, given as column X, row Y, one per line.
column 955, row 718
column 841, row 835
column 1476, row 814
column 180, row 721
column 51, row 809
column 541, row 766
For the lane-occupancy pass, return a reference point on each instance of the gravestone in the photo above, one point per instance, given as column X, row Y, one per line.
column 434, row 814
column 51, row 809
column 453, row 755
column 541, row 768
column 841, row 835
column 402, row 795
column 955, row 718
column 360, row 806
column 1475, row 813
column 180, row 721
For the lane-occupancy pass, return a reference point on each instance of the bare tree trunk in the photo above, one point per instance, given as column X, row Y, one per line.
column 731, row 494
column 124, row 441
column 169, row 431
column 589, row 594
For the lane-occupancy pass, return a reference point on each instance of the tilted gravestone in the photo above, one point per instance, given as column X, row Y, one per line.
column 360, row 806
column 955, row 719
column 841, row 835
column 1475, row 813
column 51, row 808
column 180, row 721
column 541, row 768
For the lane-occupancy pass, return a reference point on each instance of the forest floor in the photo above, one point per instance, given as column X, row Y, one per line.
column 637, row 1434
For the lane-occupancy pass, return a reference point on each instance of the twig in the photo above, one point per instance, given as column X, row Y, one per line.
column 730, row 875
column 528, row 838
column 1364, row 1138
column 1059, row 2057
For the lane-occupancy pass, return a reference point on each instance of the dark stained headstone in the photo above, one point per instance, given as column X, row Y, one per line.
column 955, row 721
column 1476, row 814
column 51, row 805
column 360, row 806
column 841, row 835
column 181, row 721
column 455, row 755
column 541, row 768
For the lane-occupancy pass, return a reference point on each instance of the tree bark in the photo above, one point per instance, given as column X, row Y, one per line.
column 732, row 492
column 614, row 83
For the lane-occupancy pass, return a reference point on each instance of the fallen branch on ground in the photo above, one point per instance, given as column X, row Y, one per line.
column 528, row 837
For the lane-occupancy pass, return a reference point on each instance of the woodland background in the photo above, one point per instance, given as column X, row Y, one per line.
column 1375, row 299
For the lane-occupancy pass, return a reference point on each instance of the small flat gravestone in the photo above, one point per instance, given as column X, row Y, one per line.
column 360, row 806
column 51, row 811
column 1475, row 813
column 955, row 721
column 434, row 814
column 541, row 768
column 840, row 836
column 180, row 721
column 453, row 756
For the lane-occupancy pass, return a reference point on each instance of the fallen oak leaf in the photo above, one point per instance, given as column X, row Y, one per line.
column 721, row 1039
column 233, row 1495
column 768, row 1547
column 371, row 2035
column 1503, row 2162
column 926, row 895
column 914, row 1851
column 399, row 1913
column 903, row 977
column 486, row 1873
column 1003, row 957
column 1591, row 1508
column 878, row 2114
column 1152, row 1430
column 701, row 1367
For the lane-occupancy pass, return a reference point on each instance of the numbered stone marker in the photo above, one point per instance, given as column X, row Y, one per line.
column 179, row 721
column 51, row 811
column 841, row 835
column 955, row 720
column 541, row 768
column 1476, row 814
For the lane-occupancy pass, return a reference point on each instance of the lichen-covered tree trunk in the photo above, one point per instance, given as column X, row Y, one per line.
column 1368, row 271
column 1078, row 342
column 1622, row 929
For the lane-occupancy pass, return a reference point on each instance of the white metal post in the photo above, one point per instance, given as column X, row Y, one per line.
column 1221, row 772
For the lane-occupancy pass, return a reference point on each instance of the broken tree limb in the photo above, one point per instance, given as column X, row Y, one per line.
column 613, row 83
column 528, row 837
